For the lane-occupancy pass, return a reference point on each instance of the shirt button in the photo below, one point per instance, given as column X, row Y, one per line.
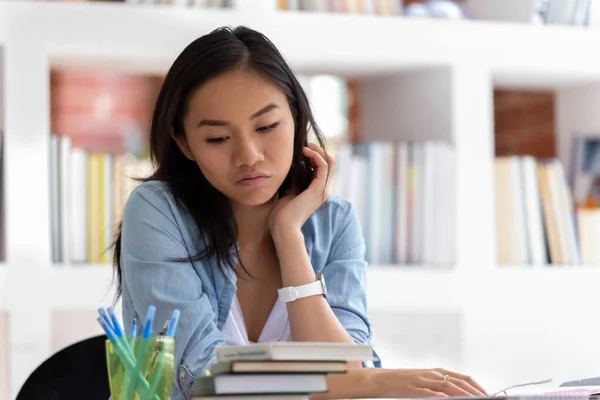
column 182, row 374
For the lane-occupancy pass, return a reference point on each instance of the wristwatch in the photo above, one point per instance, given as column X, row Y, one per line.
column 292, row 293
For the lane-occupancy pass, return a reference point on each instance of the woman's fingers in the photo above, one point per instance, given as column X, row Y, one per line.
column 447, row 387
column 321, row 168
column 465, row 378
column 466, row 386
column 426, row 393
column 329, row 160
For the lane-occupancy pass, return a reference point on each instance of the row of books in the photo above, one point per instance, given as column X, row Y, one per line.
column 187, row 3
column 405, row 197
column 87, row 194
column 279, row 370
column 379, row 7
column 536, row 221
column 404, row 194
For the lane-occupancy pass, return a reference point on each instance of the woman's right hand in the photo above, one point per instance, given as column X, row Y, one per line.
column 414, row 383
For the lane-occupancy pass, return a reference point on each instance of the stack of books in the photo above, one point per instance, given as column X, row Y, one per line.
column 280, row 370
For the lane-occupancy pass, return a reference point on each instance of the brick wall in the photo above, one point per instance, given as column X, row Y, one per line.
column 97, row 110
column 524, row 123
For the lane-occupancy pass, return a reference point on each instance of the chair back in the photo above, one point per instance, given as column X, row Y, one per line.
column 73, row 373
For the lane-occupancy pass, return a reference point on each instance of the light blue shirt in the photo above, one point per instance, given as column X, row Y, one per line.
column 156, row 230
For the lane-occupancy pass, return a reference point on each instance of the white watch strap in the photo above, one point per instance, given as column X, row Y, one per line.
column 291, row 293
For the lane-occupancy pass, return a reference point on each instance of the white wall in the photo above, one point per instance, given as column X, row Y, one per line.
column 4, row 360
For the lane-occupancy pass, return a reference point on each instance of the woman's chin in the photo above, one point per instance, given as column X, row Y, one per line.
column 258, row 198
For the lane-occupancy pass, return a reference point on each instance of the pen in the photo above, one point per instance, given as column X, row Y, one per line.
column 120, row 337
column 173, row 323
column 147, row 331
column 126, row 359
column 164, row 329
column 125, row 355
column 142, row 351
column 133, row 334
column 105, row 317
column 133, row 331
column 115, row 322
column 110, row 320
column 158, row 371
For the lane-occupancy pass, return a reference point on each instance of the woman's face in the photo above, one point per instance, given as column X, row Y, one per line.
column 240, row 131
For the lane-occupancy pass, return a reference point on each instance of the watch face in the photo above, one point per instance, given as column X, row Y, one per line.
column 321, row 279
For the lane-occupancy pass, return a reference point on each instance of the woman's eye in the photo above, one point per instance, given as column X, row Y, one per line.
column 268, row 127
column 217, row 140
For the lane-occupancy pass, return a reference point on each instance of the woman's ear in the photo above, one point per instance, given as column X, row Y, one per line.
column 183, row 146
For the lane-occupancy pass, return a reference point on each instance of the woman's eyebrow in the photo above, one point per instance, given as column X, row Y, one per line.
column 219, row 122
column 264, row 110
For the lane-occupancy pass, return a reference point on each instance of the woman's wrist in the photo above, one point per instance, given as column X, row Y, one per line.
column 294, row 262
column 355, row 383
column 286, row 235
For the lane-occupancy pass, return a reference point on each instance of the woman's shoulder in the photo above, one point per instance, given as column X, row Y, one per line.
column 154, row 201
column 150, row 195
column 333, row 217
column 152, row 210
column 335, row 205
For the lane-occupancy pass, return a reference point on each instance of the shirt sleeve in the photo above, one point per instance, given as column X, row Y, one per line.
column 151, row 240
column 345, row 275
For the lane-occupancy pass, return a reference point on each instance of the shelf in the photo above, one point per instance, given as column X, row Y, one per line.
column 389, row 287
column 75, row 35
column 85, row 287
column 431, row 288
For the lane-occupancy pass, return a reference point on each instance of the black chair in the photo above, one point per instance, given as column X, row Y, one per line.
column 74, row 373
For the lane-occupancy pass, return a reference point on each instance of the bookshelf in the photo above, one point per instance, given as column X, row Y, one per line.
column 438, row 85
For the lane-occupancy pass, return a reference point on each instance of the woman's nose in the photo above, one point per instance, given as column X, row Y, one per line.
column 247, row 153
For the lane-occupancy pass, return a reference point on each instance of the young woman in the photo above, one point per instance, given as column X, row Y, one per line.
column 238, row 212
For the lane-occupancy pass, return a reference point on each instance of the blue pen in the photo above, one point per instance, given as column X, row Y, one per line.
column 120, row 339
column 115, row 322
column 173, row 323
column 142, row 351
column 111, row 319
column 123, row 353
column 160, row 365
column 147, row 331
column 133, row 332
column 105, row 317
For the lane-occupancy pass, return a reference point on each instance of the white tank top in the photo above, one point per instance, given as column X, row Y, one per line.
column 276, row 329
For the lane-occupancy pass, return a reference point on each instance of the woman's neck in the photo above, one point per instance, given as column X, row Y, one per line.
column 252, row 224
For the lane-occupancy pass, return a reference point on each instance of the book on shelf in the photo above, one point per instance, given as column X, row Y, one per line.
column 186, row 3
column 405, row 196
column 278, row 370
column 535, row 214
column 378, row 7
column 88, row 191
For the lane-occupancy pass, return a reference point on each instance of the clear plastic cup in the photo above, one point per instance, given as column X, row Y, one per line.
column 149, row 379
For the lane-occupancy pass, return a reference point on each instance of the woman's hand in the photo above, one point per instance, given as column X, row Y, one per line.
column 424, row 383
column 399, row 383
column 292, row 211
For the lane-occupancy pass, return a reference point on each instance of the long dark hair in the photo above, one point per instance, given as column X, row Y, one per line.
column 220, row 51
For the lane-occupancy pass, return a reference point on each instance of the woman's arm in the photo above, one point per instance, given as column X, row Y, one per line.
column 151, row 239
column 311, row 318
column 342, row 317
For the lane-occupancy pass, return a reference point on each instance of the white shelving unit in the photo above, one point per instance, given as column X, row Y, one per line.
column 516, row 323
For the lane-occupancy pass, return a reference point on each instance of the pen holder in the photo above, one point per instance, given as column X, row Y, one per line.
column 145, row 373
